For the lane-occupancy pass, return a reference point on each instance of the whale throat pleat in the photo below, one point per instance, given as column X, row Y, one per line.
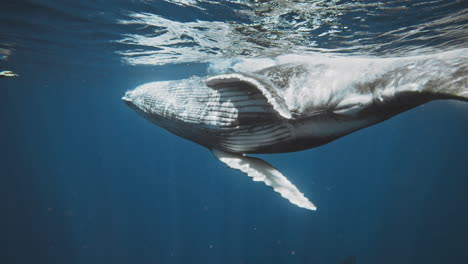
column 237, row 105
column 242, row 119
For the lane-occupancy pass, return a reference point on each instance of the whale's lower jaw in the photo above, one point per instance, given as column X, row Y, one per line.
column 266, row 138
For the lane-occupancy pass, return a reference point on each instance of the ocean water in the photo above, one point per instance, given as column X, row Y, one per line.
column 83, row 179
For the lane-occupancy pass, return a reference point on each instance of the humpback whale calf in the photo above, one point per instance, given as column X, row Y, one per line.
column 295, row 103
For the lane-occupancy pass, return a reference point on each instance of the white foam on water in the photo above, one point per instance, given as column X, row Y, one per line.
column 271, row 28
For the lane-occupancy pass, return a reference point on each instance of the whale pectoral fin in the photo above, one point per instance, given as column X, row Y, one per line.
column 260, row 170
column 238, row 85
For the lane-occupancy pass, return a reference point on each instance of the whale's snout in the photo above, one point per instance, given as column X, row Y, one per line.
column 174, row 101
column 127, row 97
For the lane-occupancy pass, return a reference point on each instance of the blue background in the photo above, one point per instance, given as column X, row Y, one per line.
column 83, row 179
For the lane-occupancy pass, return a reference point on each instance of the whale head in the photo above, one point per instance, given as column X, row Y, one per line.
column 177, row 106
column 232, row 112
column 178, row 101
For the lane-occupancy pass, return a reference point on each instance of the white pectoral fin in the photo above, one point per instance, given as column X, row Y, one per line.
column 260, row 170
column 233, row 81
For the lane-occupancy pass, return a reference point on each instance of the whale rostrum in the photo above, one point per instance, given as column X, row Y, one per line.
column 297, row 103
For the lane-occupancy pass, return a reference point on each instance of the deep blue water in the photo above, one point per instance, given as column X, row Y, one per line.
column 83, row 179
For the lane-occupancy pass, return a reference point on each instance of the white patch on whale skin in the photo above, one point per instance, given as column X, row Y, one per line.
column 353, row 104
column 212, row 116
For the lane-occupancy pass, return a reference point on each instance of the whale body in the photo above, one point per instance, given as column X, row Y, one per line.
column 296, row 103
